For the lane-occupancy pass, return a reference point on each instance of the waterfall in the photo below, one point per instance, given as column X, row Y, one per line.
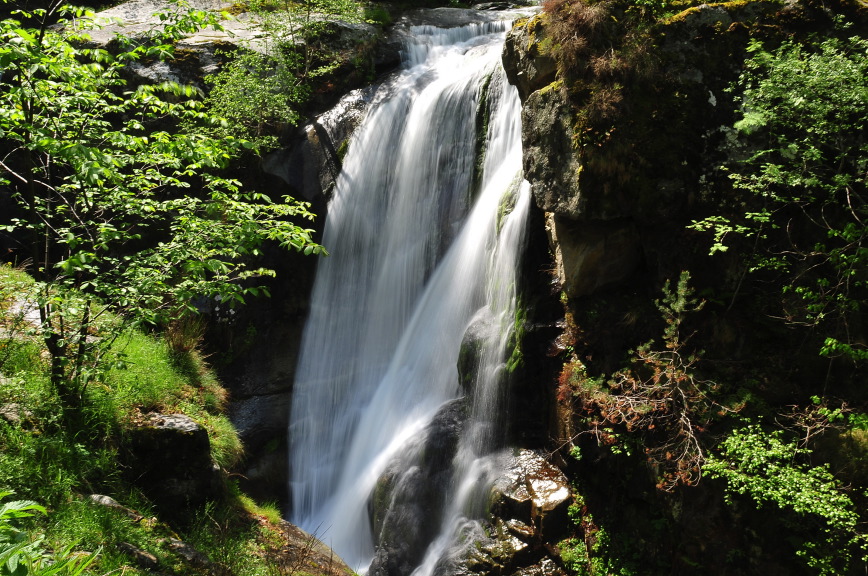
column 425, row 229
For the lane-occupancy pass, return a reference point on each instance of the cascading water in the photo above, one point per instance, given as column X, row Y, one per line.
column 424, row 229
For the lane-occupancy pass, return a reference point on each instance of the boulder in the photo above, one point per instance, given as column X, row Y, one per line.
column 533, row 492
column 189, row 553
column 545, row 567
column 528, row 509
column 14, row 413
column 169, row 457
column 410, row 495
column 479, row 332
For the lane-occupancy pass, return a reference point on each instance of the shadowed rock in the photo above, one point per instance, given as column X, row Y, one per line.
column 169, row 458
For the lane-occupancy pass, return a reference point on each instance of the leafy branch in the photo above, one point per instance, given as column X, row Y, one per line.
column 117, row 208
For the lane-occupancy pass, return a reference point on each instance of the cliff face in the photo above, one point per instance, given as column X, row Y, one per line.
column 608, row 185
column 624, row 134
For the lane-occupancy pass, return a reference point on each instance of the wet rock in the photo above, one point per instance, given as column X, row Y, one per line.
column 545, row 567
column 528, row 506
column 533, row 492
column 504, row 549
column 480, row 331
column 407, row 525
column 169, row 458
column 409, row 499
column 509, row 547
column 499, row 554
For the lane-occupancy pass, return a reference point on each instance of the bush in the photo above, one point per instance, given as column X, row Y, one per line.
column 770, row 470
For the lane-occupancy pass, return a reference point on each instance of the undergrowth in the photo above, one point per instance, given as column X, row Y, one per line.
column 47, row 462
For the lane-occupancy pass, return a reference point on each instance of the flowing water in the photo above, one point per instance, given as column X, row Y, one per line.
column 425, row 229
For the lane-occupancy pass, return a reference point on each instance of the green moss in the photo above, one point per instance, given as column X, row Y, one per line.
column 731, row 7
column 535, row 35
column 483, row 113
column 556, row 85
column 507, row 204
column 343, row 148
column 516, row 338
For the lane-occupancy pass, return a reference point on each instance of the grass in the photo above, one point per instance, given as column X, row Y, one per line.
column 44, row 459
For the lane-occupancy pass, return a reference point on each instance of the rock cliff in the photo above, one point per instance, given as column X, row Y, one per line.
column 624, row 130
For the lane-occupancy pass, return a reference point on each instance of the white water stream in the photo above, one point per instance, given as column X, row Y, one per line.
column 416, row 256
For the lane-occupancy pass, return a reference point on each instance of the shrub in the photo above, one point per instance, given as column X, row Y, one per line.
column 770, row 470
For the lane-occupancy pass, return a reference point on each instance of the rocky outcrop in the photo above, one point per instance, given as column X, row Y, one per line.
column 531, row 498
column 595, row 253
column 527, row 65
column 550, row 163
column 257, row 351
column 169, row 458
column 408, row 500
column 607, row 185
column 197, row 53
column 592, row 255
column 528, row 505
column 311, row 161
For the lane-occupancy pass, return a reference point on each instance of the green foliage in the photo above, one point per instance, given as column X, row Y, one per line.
column 770, row 470
column 377, row 14
column 595, row 552
column 48, row 464
column 15, row 544
column 802, row 180
column 24, row 554
column 262, row 89
column 241, row 546
column 43, row 460
column 257, row 95
column 119, row 213
column 675, row 306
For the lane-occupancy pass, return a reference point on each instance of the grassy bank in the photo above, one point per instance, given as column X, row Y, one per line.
column 59, row 464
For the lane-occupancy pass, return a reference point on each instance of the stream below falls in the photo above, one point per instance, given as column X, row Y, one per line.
column 392, row 447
